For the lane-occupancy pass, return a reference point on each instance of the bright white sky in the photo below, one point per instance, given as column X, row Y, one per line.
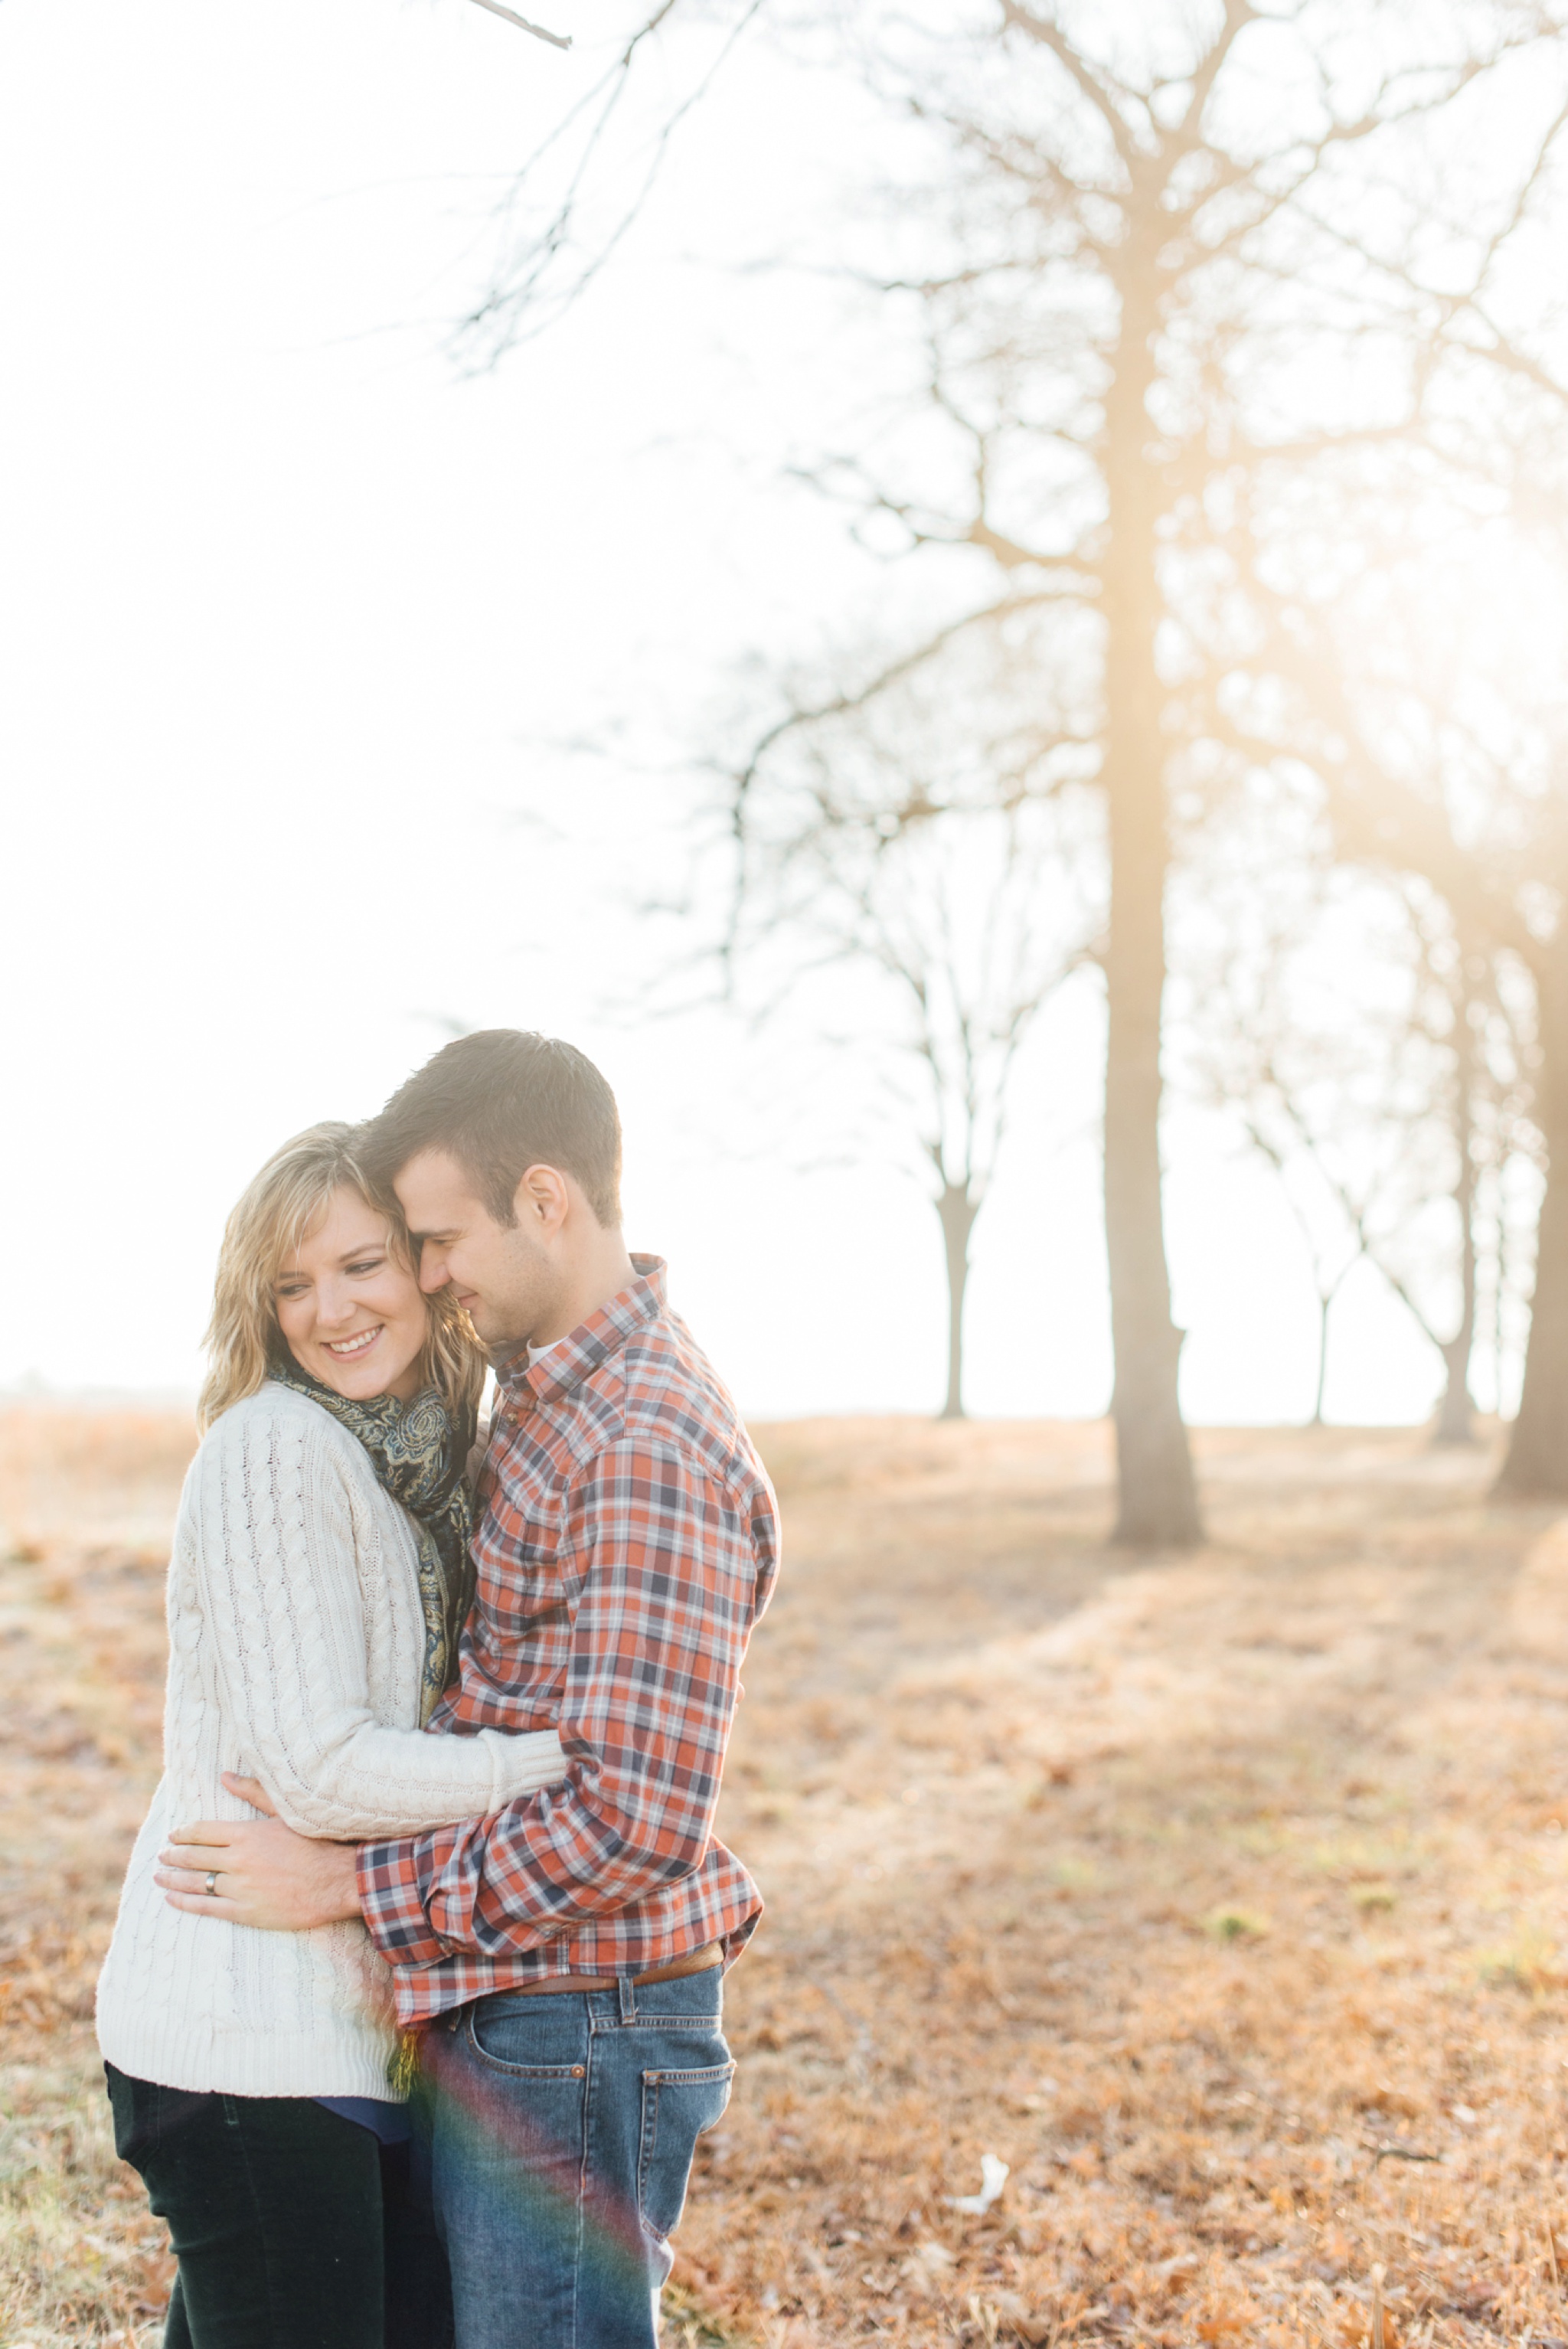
column 291, row 612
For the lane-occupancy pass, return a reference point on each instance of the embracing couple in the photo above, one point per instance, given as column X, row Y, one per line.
column 412, row 2015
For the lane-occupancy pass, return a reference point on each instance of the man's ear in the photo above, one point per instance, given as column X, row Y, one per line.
column 542, row 1201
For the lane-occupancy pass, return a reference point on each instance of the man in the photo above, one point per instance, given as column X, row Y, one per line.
column 561, row 1961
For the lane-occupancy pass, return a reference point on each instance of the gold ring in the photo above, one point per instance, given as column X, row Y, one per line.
column 212, row 1884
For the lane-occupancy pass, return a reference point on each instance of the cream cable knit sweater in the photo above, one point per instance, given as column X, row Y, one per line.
column 295, row 1643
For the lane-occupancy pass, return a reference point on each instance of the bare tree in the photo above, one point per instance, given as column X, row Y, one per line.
column 1407, row 688
column 1250, row 1055
column 1423, row 743
column 1150, row 258
column 943, row 887
column 1499, row 918
column 1374, row 1059
column 1150, row 268
column 1437, row 742
column 578, row 194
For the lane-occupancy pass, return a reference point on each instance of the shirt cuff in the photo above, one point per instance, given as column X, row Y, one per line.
column 391, row 1901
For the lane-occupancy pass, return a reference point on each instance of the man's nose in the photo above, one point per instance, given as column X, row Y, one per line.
column 433, row 1273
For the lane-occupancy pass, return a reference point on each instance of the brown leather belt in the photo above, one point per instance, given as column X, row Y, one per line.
column 696, row 1961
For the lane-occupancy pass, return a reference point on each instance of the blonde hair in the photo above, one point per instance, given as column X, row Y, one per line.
column 287, row 1200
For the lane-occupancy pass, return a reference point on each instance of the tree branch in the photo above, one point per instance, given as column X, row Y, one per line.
column 556, row 40
column 1051, row 36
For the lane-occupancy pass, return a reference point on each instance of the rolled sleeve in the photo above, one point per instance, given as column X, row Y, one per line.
column 392, row 1901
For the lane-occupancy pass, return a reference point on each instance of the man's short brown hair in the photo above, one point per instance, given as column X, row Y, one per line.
column 499, row 1101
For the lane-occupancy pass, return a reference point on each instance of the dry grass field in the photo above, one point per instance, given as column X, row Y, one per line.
column 1224, row 1899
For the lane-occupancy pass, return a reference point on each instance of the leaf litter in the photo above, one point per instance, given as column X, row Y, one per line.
column 1000, row 1784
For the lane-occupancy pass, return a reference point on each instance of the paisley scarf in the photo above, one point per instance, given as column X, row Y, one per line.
column 419, row 1454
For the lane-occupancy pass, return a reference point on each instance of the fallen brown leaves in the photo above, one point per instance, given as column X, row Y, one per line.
column 85, row 1503
column 1219, row 1897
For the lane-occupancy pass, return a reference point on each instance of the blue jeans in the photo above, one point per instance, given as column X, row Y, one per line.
column 560, row 2129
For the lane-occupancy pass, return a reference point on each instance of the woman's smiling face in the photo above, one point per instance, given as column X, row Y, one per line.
column 350, row 1313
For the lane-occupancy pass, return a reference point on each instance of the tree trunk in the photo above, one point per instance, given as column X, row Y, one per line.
column 1456, row 1414
column 1537, row 1462
column 957, row 1210
column 1499, row 1280
column 1158, row 1500
column 1324, row 1303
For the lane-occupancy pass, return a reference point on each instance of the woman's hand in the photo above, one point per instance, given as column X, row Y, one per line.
column 259, row 1871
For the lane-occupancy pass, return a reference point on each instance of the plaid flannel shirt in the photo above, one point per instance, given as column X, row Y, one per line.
column 627, row 1542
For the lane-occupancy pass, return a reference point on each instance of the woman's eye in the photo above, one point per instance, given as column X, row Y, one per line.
column 371, row 1264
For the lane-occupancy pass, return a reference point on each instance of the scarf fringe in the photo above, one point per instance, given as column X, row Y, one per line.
column 403, row 2064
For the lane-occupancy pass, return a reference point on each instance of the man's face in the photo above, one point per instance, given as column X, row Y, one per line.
column 506, row 1278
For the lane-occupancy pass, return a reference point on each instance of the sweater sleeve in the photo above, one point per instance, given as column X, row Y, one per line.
column 278, row 1576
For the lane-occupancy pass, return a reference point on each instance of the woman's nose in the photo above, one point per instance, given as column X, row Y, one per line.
column 333, row 1303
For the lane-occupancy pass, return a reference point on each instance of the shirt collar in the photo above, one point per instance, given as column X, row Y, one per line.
column 592, row 1341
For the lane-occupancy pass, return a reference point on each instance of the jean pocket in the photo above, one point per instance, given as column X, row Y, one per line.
column 678, row 2109
column 148, row 2118
column 528, row 2117
column 523, row 2045
column 538, row 2037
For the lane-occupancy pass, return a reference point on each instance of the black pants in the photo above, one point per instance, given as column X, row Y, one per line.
column 294, row 2228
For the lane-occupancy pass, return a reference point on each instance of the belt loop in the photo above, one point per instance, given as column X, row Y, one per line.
column 626, row 1990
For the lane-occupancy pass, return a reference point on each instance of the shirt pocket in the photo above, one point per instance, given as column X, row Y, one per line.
column 517, row 1548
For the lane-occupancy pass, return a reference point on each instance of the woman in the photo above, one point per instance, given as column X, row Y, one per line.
column 318, row 1586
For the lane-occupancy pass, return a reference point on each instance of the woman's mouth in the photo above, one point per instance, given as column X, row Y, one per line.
column 347, row 1349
